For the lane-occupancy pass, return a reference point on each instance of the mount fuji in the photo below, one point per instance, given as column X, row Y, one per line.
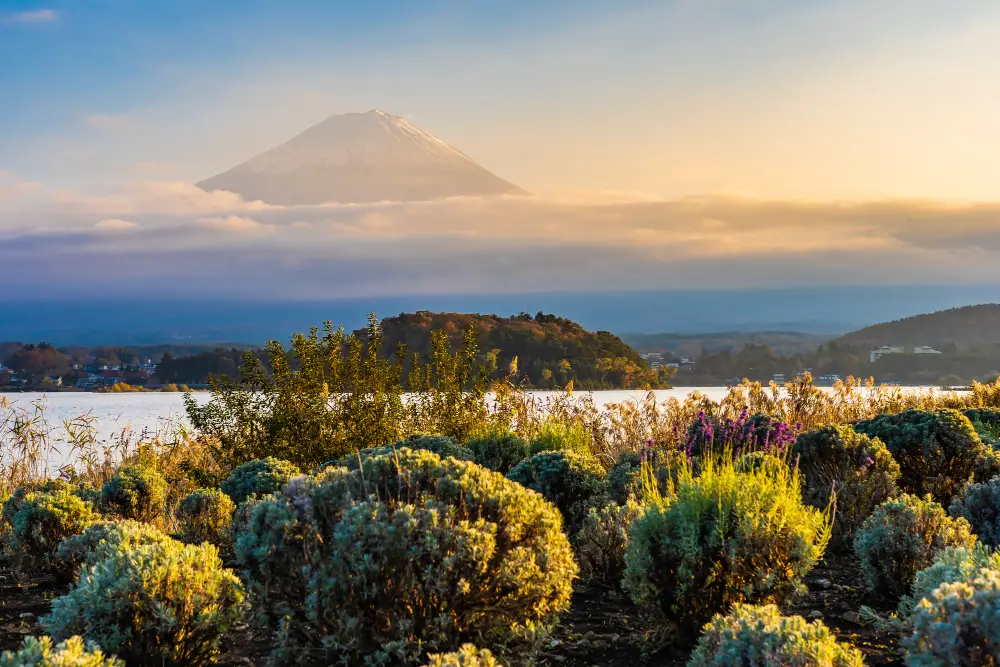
column 360, row 157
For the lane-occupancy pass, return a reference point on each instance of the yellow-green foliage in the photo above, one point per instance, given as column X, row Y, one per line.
column 568, row 480
column 407, row 555
column 442, row 445
column 761, row 637
column 958, row 625
column 467, row 656
column 859, row 471
column 558, row 436
column 101, row 539
column 205, row 515
column 39, row 652
column 44, row 520
column 723, row 537
column 136, row 492
column 12, row 503
column 258, row 478
column 602, row 541
column 166, row 604
column 902, row 537
column 937, row 451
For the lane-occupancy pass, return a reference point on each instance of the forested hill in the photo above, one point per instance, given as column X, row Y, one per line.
column 965, row 327
column 551, row 351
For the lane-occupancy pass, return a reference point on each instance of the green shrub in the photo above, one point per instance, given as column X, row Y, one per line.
column 410, row 554
column 624, row 478
column 958, row 625
column 100, row 540
column 937, row 451
column 951, row 565
column 259, row 477
column 986, row 421
column 556, row 436
column 902, row 537
column 987, row 465
column 498, row 451
column 42, row 522
column 467, row 656
column 760, row 637
column 13, row 502
column 204, row 516
column 136, row 492
column 724, row 537
column 39, row 652
column 979, row 504
column 570, row 481
column 166, row 604
column 859, row 470
column 443, row 446
column 602, row 542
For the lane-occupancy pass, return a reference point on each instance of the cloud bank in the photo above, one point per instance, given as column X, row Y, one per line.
column 173, row 239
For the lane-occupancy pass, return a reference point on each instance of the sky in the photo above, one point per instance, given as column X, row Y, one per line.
column 668, row 143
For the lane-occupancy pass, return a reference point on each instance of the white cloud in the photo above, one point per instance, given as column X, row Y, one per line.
column 108, row 122
column 236, row 224
column 35, row 16
column 115, row 224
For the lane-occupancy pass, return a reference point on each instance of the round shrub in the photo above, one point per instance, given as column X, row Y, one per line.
column 556, row 436
column 13, row 502
column 979, row 504
column 986, row 421
column 498, row 451
column 725, row 537
column 902, row 537
column 241, row 516
column 205, row 515
column 443, row 446
column 937, row 451
column 958, row 625
column 100, row 540
column 39, row 652
column 259, row 477
column 951, row 565
column 760, row 637
column 410, row 554
column 44, row 520
column 738, row 436
column 166, row 604
column 859, row 471
column 602, row 542
column 570, row 481
column 624, row 478
column 467, row 656
column 136, row 492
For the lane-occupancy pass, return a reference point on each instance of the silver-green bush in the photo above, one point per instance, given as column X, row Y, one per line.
column 602, row 542
column 979, row 504
column 958, row 625
column 570, row 481
column 44, row 520
column 101, row 539
column 902, row 537
column 498, row 451
column 204, row 516
column 136, row 492
column 167, row 604
column 761, row 637
column 951, row 565
column 259, row 478
column 467, row 656
column 407, row 555
column 39, row 652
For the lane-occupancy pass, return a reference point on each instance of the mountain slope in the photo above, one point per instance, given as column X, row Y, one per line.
column 964, row 327
column 359, row 157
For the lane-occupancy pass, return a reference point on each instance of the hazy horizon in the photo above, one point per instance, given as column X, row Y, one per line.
column 669, row 145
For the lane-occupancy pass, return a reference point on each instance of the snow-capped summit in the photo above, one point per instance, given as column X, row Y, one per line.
column 359, row 157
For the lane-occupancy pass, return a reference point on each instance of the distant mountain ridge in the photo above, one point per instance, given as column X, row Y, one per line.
column 356, row 158
column 965, row 327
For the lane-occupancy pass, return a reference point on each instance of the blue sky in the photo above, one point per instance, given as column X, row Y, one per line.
column 669, row 143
